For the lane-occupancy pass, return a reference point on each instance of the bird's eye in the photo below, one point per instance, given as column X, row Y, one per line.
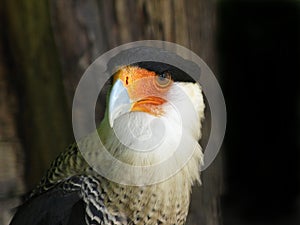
column 164, row 79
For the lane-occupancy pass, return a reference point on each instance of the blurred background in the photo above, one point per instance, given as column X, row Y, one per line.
column 253, row 47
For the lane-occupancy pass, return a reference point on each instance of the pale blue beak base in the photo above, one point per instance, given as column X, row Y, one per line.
column 119, row 102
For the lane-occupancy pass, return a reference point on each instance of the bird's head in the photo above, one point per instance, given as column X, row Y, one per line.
column 137, row 89
column 151, row 106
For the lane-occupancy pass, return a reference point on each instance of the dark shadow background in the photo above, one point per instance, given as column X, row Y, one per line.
column 259, row 57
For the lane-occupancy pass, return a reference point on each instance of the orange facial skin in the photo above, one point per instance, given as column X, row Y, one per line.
column 145, row 88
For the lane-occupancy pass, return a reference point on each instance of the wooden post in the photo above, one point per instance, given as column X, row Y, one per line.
column 51, row 44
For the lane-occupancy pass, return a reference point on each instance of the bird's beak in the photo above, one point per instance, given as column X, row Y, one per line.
column 119, row 102
column 134, row 89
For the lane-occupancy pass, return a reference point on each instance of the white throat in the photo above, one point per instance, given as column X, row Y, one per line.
column 140, row 139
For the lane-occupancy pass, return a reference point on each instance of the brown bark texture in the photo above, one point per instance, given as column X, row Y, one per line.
column 49, row 44
column 11, row 154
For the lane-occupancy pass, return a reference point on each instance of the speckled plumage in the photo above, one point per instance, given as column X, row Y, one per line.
column 162, row 203
column 103, row 201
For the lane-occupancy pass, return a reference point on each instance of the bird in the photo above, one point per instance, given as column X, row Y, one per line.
column 147, row 98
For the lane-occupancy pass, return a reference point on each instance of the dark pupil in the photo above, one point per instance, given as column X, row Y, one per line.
column 163, row 77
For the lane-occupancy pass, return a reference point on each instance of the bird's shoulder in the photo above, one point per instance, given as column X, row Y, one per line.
column 67, row 164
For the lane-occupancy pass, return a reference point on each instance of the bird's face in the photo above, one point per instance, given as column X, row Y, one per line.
column 137, row 89
column 152, row 109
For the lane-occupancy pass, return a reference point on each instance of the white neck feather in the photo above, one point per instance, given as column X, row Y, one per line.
column 140, row 139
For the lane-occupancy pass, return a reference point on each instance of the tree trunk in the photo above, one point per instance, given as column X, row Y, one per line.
column 44, row 116
column 52, row 44
column 11, row 157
